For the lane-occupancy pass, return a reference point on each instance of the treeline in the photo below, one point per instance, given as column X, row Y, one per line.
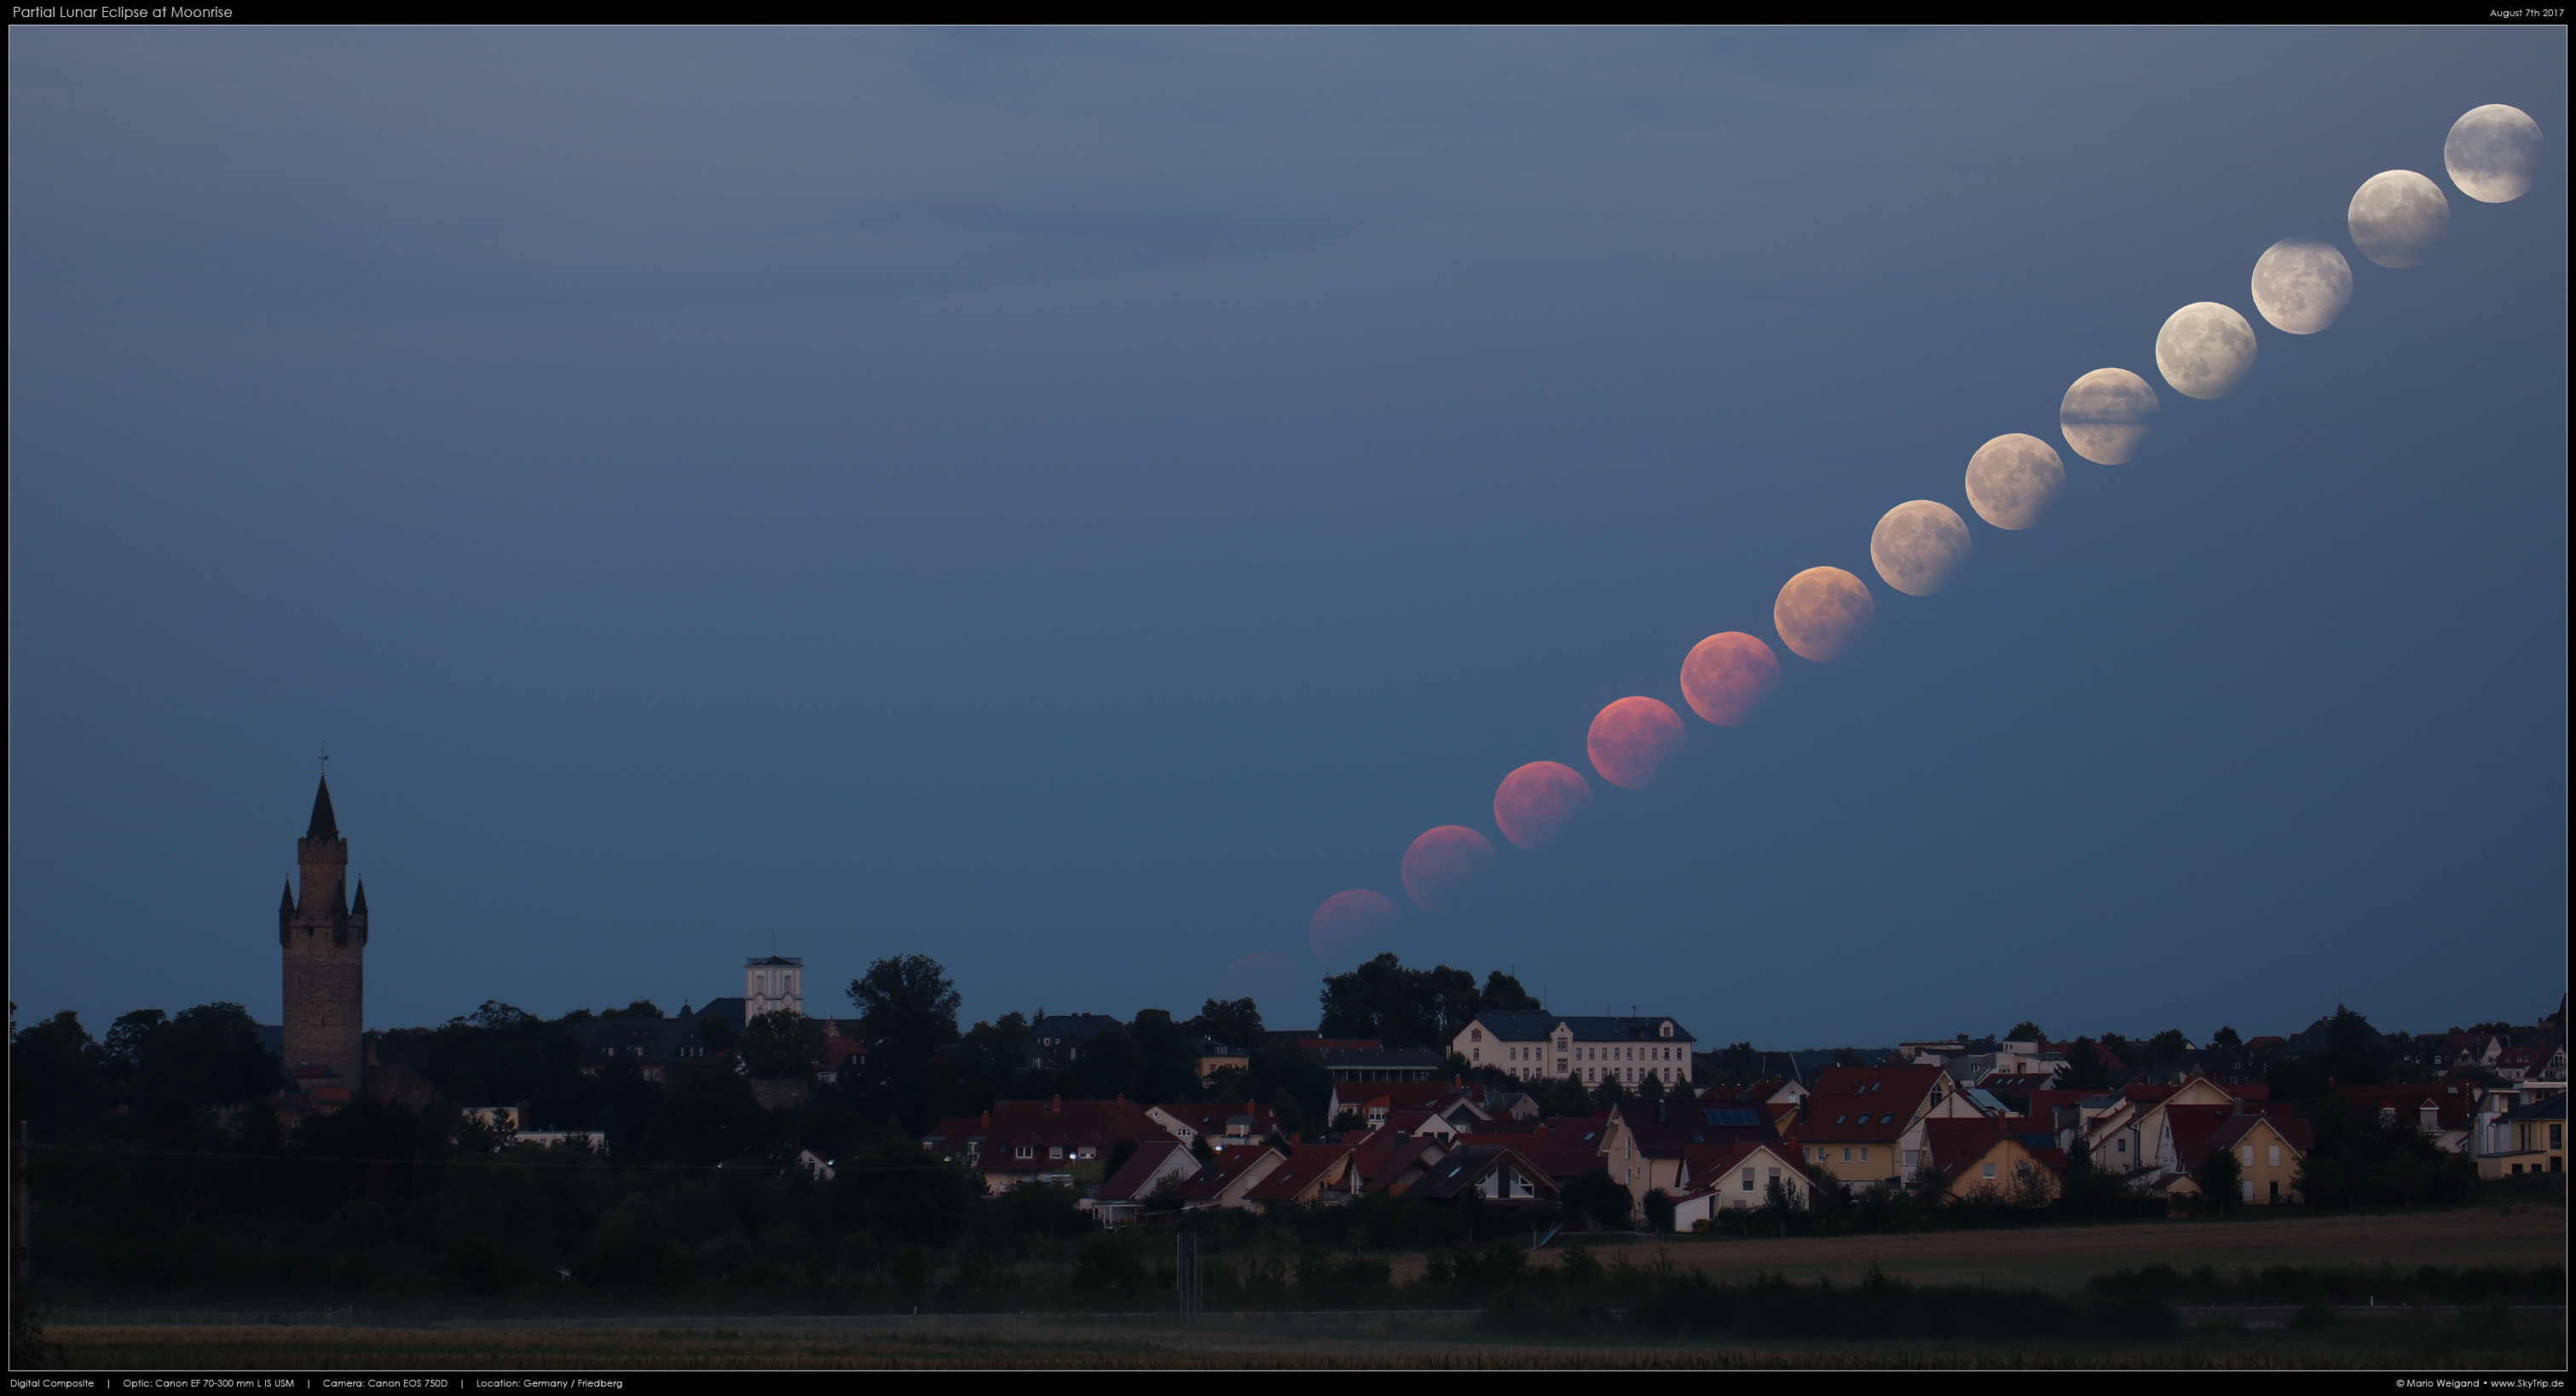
column 2351, row 1284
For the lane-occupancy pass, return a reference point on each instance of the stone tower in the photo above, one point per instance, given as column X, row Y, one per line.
column 325, row 939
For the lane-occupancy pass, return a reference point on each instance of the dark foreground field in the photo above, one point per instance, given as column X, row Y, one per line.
column 2478, row 1340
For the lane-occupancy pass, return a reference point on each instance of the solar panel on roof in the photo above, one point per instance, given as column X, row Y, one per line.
column 1732, row 1118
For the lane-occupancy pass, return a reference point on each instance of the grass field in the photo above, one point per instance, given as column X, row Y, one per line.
column 2059, row 1258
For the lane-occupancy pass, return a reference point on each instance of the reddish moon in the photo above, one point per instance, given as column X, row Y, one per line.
column 1821, row 611
column 1631, row 740
column 1727, row 676
column 1347, row 924
column 1534, row 802
column 1442, row 862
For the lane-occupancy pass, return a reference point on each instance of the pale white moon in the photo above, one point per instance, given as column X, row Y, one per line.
column 2493, row 154
column 2205, row 350
column 1918, row 545
column 2107, row 414
column 2011, row 480
column 2301, row 284
column 2396, row 218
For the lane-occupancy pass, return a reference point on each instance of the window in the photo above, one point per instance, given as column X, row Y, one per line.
column 1748, row 1180
column 1988, row 1171
column 1847, row 1156
column 1055, row 1151
column 2276, row 1156
column 1864, row 1154
column 2246, row 1155
column 1475, row 1034
column 1024, row 1151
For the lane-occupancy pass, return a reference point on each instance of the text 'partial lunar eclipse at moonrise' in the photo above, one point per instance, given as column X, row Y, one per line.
column 1821, row 612
column 1534, row 803
column 1442, row 862
column 1631, row 740
column 1725, row 677
column 1350, row 925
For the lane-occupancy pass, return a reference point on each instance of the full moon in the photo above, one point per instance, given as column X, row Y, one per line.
column 1348, row 924
column 2396, row 218
column 2301, row 284
column 1442, row 862
column 1725, row 677
column 2107, row 414
column 2205, row 350
column 1534, row 802
column 2493, row 154
column 2012, row 478
column 1631, row 740
column 1821, row 611
column 1917, row 545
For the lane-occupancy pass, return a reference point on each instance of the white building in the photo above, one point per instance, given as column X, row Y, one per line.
column 1535, row 1045
column 772, row 984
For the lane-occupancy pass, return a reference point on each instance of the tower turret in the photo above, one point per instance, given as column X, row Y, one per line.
column 325, row 942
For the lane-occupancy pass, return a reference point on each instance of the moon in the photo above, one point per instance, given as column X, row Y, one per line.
column 1917, row 545
column 2205, row 350
column 2107, row 414
column 1821, row 612
column 1535, row 802
column 2301, row 284
column 1631, row 740
column 1725, row 677
column 2493, row 154
column 2397, row 216
column 1442, row 862
column 1348, row 925
column 2013, row 478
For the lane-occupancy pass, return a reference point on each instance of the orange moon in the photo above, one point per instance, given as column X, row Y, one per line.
column 1534, row 802
column 1442, row 862
column 1630, row 741
column 1821, row 612
column 1347, row 924
column 1727, row 676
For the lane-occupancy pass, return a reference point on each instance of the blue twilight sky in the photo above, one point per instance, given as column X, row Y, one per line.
column 1067, row 503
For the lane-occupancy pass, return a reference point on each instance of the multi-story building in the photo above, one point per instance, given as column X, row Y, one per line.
column 1533, row 1044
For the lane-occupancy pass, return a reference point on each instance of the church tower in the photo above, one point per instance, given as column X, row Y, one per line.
column 325, row 939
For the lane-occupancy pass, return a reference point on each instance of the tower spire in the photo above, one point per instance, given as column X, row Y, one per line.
column 324, row 826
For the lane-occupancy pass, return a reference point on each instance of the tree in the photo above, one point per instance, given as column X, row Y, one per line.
column 2227, row 1038
column 2025, row 1031
column 780, row 1044
column 709, row 1115
column 1609, row 1092
column 2165, row 1048
column 1170, row 1068
column 2085, row 1069
column 1503, row 993
column 1845, row 1056
column 907, row 1004
column 210, row 1054
column 1652, row 1088
column 1399, row 1006
column 1593, row 1194
column 1234, row 1022
column 2219, row 1177
column 53, row 1068
column 1659, row 1210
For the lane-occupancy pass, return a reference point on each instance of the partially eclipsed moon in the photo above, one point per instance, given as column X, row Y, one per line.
column 1534, row 802
column 1725, row 677
column 2396, row 218
column 2493, row 154
column 2012, row 478
column 2107, row 414
column 1821, row 612
column 1442, row 862
column 1348, row 924
column 1631, row 740
column 2301, row 284
column 2205, row 350
column 1917, row 545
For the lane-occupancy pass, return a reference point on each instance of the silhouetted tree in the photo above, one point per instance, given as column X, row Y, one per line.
column 2226, row 1037
column 2219, row 1177
column 1234, row 1022
column 780, row 1044
column 2025, row 1031
column 1503, row 992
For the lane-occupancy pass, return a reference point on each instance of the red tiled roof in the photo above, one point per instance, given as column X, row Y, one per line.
column 1137, row 1174
column 2450, row 1101
column 1566, row 1149
column 1866, row 1118
column 1230, row 1165
column 2197, row 1129
column 1306, row 1164
column 1902, row 1084
column 1071, row 1123
column 1704, row 1164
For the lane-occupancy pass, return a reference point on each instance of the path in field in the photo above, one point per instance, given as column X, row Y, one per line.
column 2062, row 1258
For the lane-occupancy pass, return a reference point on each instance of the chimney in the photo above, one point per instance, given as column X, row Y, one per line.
column 988, row 1120
column 1056, row 1106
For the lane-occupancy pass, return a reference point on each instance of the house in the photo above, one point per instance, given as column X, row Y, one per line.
column 1464, row 1104
column 2532, row 1064
column 1565, row 1148
column 2440, row 1110
column 1312, row 1174
column 1226, row 1181
column 1393, row 1167
column 1644, row 1142
column 1155, row 1165
column 2122, row 1136
column 1213, row 1056
column 2530, row 1138
column 1532, row 1044
column 1058, row 1040
column 1856, row 1118
column 1379, row 1063
column 2465, row 1051
column 1498, row 1175
column 2269, row 1144
column 653, row 1046
column 1041, row 1141
column 1989, row 1159
column 1739, row 1175
column 842, row 1055
column 1742, row 1063
column 1225, row 1126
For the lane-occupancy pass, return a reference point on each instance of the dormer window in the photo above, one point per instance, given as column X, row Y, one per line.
column 1055, row 1151
column 1025, row 1151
